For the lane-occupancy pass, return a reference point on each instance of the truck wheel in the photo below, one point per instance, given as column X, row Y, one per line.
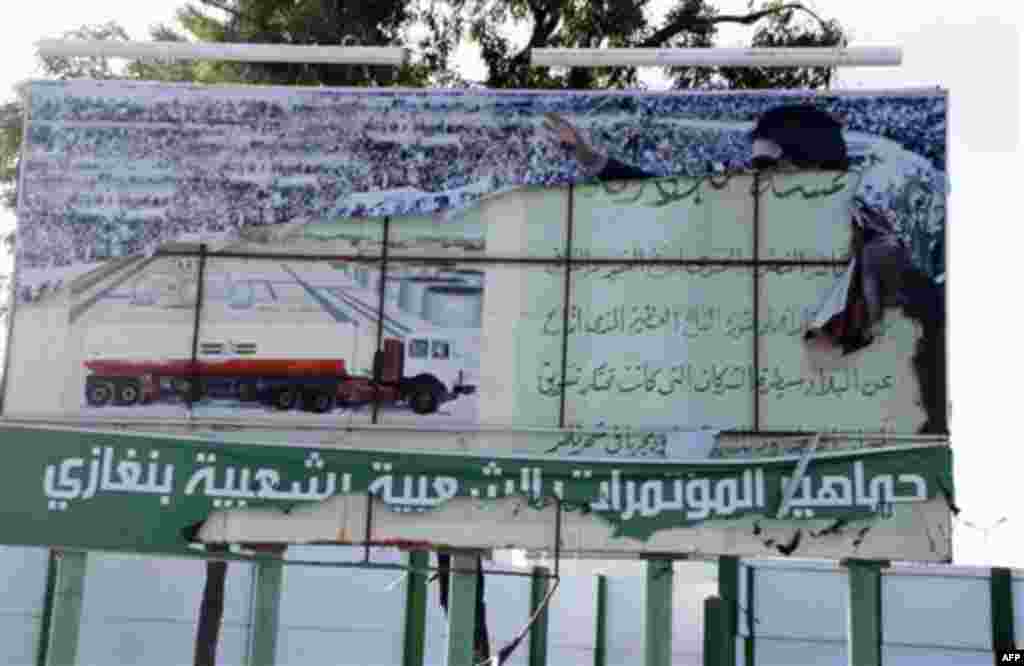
column 247, row 392
column 284, row 399
column 98, row 392
column 318, row 401
column 424, row 397
column 127, row 392
column 183, row 387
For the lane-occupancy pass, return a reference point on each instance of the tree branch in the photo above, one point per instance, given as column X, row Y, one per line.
column 544, row 24
column 690, row 23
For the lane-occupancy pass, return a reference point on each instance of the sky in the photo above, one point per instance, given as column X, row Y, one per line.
column 974, row 50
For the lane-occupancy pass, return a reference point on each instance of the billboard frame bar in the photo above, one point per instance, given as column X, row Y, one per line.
column 546, row 261
column 381, row 297
column 558, row 537
column 756, row 250
column 194, row 392
column 567, row 263
column 62, row 422
column 368, row 531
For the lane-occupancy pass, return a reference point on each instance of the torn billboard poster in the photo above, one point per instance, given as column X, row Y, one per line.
column 514, row 259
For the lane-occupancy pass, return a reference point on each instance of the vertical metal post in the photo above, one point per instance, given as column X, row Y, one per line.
column 66, row 611
column 748, row 644
column 756, row 381
column 729, row 594
column 266, row 612
column 864, row 629
column 539, row 630
column 211, row 613
column 1001, row 587
column 601, row 622
column 658, row 613
column 716, row 633
column 382, row 296
column 195, row 377
column 414, row 633
column 48, row 597
column 462, row 609
column 567, row 296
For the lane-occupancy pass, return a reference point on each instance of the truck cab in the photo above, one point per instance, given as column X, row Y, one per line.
column 445, row 356
column 429, row 367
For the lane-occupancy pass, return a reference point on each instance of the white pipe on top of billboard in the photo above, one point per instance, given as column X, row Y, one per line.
column 877, row 56
column 350, row 55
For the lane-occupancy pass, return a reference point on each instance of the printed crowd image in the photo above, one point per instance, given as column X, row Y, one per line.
column 685, row 262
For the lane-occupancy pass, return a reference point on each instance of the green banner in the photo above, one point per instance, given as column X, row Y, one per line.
column 102, row 490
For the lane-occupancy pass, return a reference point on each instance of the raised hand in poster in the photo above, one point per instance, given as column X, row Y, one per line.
column 593, row 161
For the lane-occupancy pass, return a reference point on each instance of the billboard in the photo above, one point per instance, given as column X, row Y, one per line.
column 625, row 279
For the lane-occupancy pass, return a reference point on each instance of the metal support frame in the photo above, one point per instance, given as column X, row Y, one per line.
column 415, row 619
column 658, row 612
column 359, row 564
column 266, row 612
column 568, row 262
column 65, row 614
column 556, row 261
column 864, row 627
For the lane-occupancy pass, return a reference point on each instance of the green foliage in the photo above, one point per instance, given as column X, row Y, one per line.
column 78, row 67
column 628, row 23
column 315, row 22
column 788, row 26
column 505, row 31
column 10, row 146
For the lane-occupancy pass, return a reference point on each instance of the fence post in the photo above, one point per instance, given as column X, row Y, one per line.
column 462, row 609
column 658, row 615
column 539, row 631
column 716, row 633
column 1001, row 589
column 749, row 645
column 864, row 628
column 66, row 610
column 266, row 611
column 414, row 632
column 601, row 623
column 729, row 594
